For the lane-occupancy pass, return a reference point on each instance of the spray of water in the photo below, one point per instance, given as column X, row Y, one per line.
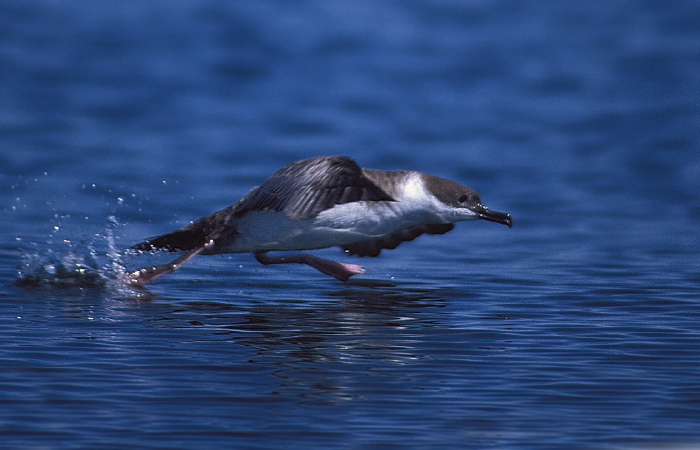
column 95, row 264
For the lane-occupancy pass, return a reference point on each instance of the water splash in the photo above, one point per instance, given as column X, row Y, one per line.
column 94, row 264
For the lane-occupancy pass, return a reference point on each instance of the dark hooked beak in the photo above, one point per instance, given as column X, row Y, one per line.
column 493, row 216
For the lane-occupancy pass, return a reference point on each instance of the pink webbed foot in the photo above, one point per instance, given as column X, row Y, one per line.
column 141, row 277
column 337, row 270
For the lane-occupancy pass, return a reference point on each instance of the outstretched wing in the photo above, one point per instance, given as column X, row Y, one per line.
column 304, row 188
column 372, row 247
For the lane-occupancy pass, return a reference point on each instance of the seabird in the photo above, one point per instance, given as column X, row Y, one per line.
column 324, row 202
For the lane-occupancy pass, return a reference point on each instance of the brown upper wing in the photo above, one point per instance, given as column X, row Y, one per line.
column 304, row 188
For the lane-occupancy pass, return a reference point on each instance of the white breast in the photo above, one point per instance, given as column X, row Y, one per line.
column 369, row 220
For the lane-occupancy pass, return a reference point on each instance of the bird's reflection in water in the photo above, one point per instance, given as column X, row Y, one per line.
column 322, row 348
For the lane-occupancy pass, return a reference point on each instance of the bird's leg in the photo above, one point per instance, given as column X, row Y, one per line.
column 341, row 271
column 144, row 276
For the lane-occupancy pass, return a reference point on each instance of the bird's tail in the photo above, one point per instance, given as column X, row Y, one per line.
column 193, row 236
column 203, row 232
column 181, row 240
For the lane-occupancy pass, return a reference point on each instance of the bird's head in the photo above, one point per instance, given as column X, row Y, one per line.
column 459, row 203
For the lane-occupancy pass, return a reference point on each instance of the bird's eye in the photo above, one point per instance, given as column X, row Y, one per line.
column 464, row 199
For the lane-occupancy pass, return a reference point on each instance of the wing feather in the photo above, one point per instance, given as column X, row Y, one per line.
column 372, row 247
column 304, row 188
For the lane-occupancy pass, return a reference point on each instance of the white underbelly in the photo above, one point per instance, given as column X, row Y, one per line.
column 340, row 225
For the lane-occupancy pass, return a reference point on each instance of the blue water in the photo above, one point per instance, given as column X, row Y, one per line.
column 578, row 328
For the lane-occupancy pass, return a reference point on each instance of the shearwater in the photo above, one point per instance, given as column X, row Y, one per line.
column 324, row 202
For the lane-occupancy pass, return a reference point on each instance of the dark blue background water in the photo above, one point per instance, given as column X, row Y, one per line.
column 577, row 328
